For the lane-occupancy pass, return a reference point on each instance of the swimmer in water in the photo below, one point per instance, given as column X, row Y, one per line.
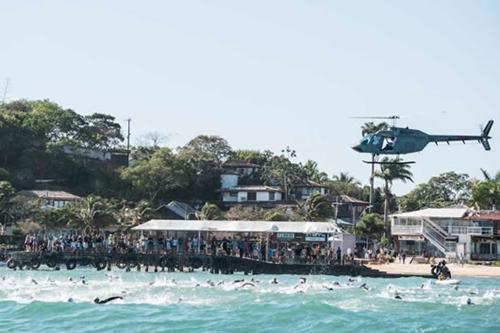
column 104, row 301
column 328, row 288
column 34, row 281
column 238, row 281
column 397, row 295
column 274, row 281
column 469, row 301
column 70, row 300
column 247, row 284
column 220, row 283
column 302, row 281
column 254, row 281
column 364, row 287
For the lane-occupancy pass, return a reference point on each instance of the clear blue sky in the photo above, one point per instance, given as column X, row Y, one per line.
column 267, row 74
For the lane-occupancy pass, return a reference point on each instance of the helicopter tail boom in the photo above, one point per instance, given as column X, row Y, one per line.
column 483, row 138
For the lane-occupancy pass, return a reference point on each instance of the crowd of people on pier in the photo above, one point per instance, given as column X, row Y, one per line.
column 244, row 247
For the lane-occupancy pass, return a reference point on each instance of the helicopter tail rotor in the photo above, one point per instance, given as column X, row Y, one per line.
column 485, row 135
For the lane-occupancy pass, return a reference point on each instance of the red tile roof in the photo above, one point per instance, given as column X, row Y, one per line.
column 485, row 216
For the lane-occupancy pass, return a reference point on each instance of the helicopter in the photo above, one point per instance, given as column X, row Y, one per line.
column 399, row 140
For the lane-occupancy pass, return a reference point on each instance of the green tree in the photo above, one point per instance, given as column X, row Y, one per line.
column 92, row 212
column 155, row 176
column 316, row 208
column 447, row 189
column 486, row 194
column 343, row 183
column 389, row 172
column 201, row 160
column 7, row 193
column 370, row 226
column 129, row 214
column 211, row 211
column 489, row 177
column 280, row 171
column 275, row 215
column 313, row 173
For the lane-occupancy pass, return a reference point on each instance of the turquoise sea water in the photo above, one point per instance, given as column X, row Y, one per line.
column 37, row 301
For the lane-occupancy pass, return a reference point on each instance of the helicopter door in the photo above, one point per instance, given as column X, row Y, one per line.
column 388, row 143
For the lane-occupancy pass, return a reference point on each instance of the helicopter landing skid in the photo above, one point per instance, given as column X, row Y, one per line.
column 389, row 163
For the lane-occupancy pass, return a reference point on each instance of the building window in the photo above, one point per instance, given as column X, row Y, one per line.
column 484, row 248
column 252, row 196
column 271, row 196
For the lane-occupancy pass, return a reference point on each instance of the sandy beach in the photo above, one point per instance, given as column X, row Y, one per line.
column 456, row 269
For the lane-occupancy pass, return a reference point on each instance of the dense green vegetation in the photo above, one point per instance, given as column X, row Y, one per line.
column 40, row 140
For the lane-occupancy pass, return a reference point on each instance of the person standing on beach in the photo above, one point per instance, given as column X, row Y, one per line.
column 403, row 256
column 339, row 255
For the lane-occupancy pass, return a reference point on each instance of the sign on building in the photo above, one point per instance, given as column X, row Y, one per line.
column 315, row 238
column 285, row 235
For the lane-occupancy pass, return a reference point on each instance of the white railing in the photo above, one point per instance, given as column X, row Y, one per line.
column 463, row 230
column 406, row 229
column 438, row 237
column 480, row 230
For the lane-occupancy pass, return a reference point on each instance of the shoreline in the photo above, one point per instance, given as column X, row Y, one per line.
column 467, row 270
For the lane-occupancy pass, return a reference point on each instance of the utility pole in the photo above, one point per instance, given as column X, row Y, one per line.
column 128, row 120
column 289, row 154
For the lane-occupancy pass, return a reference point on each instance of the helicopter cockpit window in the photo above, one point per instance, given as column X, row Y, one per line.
column 388, row 143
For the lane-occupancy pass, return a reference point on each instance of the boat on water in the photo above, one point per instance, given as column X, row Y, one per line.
column 448, row 282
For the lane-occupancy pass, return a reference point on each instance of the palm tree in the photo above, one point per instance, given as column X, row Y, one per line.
column 489, row 177
column 391, row 170
column 316, row 208
column 90, row 211
column 344, row 177
column 313, row 173
column 371, row 127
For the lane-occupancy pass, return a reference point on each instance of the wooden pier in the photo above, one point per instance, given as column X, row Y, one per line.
column 171, row 263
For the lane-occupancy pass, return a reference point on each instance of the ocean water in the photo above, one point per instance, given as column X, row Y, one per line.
column 62, row 301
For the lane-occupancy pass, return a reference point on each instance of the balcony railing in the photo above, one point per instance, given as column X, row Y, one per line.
column 406, row 229
column 486, row 231
column 456, row 230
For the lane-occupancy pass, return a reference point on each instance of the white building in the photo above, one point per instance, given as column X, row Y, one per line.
column 452, row 232
column 304, row 191
column 50, row 199
column 242, row 168
column 251, row 194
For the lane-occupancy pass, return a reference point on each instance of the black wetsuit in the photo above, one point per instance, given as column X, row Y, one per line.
column 104, row 301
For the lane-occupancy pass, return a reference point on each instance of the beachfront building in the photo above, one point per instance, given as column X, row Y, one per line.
column 449, row 232
column 50, row 199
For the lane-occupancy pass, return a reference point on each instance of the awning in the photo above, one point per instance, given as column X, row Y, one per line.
column 240, row 226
